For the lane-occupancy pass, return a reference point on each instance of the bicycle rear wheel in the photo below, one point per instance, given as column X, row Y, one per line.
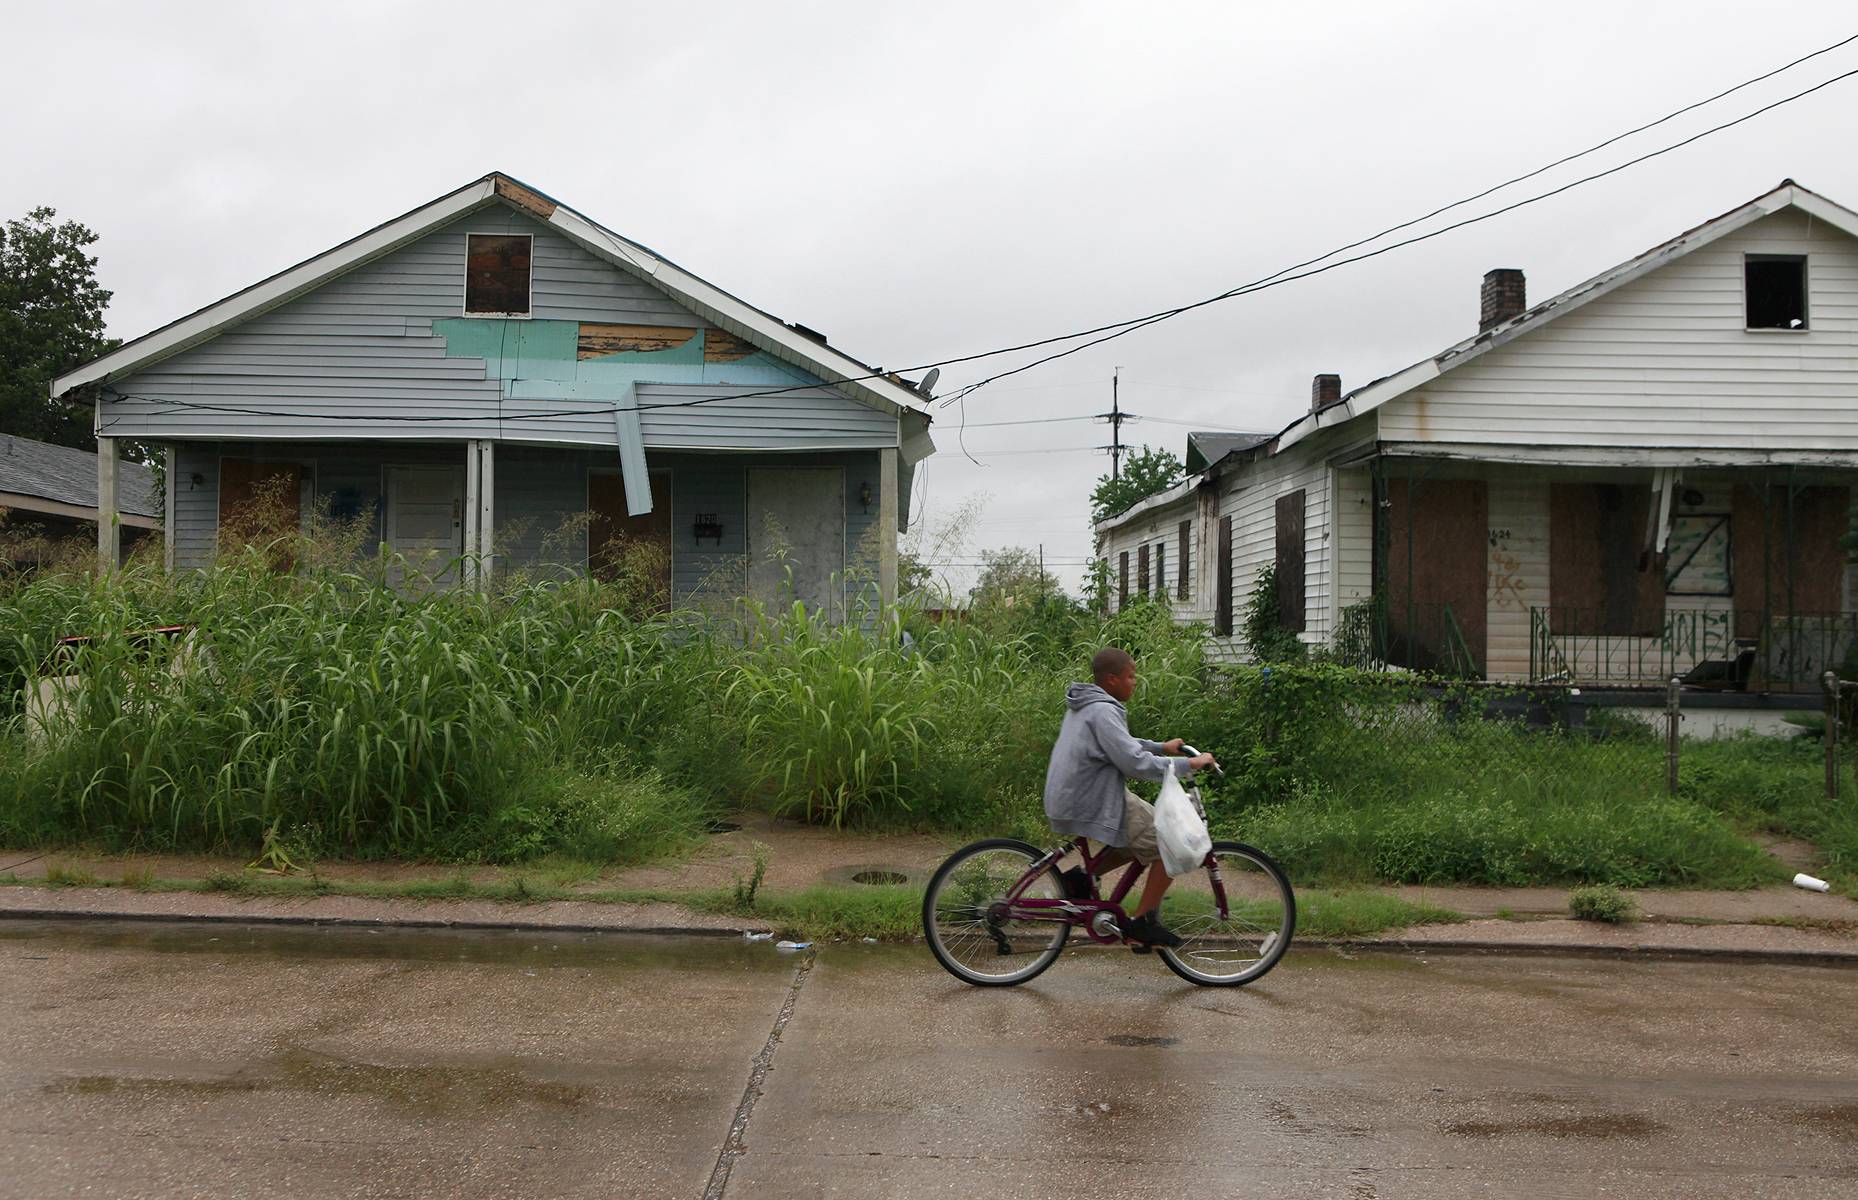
column 1250, row 936
column 970, row 928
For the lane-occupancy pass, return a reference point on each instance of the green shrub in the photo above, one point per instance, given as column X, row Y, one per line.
column 1599, row 902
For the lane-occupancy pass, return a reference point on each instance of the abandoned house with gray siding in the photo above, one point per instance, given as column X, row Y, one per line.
column 1648, row 475
column 494, row 382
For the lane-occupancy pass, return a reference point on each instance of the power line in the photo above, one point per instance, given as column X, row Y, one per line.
column 1119, row 328
column 1280, row 278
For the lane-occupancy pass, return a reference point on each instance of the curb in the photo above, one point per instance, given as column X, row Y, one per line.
column 1412, row 946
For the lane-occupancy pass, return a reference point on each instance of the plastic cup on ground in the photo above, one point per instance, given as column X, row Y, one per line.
column 1810, row 883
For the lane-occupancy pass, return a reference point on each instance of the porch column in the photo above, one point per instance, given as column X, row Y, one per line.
column 486, row 548
column 109, row 531
column 887, row 526
column 473, row 486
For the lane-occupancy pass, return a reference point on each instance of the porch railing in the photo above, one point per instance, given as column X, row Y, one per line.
column 1420, row 637
column 1703, row 646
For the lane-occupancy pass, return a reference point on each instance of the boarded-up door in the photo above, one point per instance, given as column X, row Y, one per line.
column 260, row 504
column 1601, row 577
column 620, row 545
column 1436, row 533
column 796, row 536
column 1785, row 557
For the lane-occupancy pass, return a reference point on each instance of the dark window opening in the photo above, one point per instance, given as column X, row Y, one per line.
column 1181, row 563
column 1776, row 287
column 497, row 274
column 1290, row 562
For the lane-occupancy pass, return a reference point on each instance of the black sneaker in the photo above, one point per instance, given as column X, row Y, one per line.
column 1147, row 931
column 1076, row 883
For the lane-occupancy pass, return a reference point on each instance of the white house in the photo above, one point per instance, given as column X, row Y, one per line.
column 1649, row 474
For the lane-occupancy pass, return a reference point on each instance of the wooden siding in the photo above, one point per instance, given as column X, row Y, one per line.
column 359, row 358
column 1666, row 361
column 1353, row 539
column 1253, row 509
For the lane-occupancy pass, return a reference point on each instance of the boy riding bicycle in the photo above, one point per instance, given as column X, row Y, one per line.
column 1085, row 794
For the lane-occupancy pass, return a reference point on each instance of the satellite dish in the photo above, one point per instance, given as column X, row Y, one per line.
column 927, row 386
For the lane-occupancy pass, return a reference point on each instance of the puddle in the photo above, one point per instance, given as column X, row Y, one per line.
column 1131, row 1039
column 1597, row 1127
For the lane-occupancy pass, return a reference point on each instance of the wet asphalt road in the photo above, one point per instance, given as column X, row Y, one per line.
column 225, row 1061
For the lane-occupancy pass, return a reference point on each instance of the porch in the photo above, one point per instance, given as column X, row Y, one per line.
column 1733, row 578
column 817, row 526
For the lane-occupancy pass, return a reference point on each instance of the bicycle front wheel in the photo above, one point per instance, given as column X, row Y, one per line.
column 972, row 930
column 1235, row 917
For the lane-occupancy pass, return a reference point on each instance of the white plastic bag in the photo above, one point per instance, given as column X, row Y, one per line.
column 1185, row 843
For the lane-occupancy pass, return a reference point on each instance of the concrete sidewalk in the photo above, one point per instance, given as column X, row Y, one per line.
column 1778, row 922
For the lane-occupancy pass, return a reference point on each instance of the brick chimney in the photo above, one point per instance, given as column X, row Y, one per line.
column 1503, row 296
column 1324, row 391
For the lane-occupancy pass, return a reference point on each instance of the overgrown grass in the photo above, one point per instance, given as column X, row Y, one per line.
column 322, row 715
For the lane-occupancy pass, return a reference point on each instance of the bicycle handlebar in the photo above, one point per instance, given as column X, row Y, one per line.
column 1193, row 753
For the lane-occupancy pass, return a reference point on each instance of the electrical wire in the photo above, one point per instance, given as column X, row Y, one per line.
column 1120, row 328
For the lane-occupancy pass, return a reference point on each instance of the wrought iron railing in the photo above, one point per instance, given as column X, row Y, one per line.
column 1711, row 647
column 1421, row 637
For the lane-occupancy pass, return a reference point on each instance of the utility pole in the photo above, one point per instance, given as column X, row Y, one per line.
column 1116, row 416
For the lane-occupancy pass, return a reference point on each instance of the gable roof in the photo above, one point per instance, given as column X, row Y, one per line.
column 1362, row 400
column 65, row 476
column 789, row 342
column 1206, row 448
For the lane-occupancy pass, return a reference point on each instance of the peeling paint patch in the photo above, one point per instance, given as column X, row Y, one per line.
column 598, row 340
column 724, row 347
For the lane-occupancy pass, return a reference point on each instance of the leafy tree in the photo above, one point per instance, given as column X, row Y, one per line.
column 1144, row 472
column 1012, row 577
column 51, row 320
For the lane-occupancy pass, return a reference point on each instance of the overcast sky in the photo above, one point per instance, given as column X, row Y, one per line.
column 924, row 181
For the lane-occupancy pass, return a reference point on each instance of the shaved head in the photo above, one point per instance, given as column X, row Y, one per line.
column 1110, row 663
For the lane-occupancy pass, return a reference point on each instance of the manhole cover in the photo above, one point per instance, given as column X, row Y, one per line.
column 880, row 877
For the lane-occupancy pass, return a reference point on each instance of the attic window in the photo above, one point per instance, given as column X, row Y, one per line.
column 497, row 274
column 1776, row 290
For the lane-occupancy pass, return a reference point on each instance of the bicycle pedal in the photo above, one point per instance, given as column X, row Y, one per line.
column 1141, row 948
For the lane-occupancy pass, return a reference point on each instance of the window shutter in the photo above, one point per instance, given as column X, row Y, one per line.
column 1222, row 613
column 1141, row 570
column 1290, row 562
column 1161, row 571
column 1122, row 580
column 1181, row 562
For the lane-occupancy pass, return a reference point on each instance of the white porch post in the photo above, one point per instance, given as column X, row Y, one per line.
column 167, row 507
column 486, row 511
column 473, row 484
column 109, row 531
column 887, row 526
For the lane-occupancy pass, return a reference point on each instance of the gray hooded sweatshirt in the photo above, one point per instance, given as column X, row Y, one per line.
column 1094, row 754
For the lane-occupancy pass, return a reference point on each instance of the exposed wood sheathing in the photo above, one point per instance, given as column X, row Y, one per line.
column 533, row 203
column 724, row 347
column 600, row 339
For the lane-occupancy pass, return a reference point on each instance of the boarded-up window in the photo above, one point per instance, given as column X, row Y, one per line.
column 1141, row 571
column 1786, row 556
column 1290, row 561
column 497, row 274
column 1601, row 577
column 1222, row 611
column 1180, row 562
column 260, row 504
column 1161, row 571
column 1122, row 579
column 628, row 549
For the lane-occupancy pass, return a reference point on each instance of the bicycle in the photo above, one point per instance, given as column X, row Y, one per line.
column 996, row 914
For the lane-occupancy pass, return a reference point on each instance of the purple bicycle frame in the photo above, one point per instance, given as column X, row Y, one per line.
column 1082, row 912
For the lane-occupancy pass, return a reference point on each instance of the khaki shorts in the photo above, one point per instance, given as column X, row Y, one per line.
column 1139, row 828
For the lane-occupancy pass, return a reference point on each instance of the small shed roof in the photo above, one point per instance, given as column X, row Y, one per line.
column 62, row 475
column 1205, row 449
